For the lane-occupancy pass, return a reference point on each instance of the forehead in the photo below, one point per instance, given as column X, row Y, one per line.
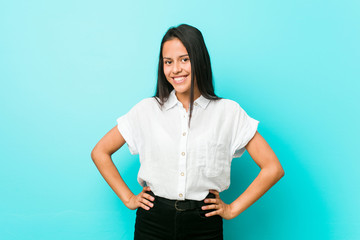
column 173, row 48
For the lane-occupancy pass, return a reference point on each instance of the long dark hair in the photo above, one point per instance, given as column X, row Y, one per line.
column 194, row 43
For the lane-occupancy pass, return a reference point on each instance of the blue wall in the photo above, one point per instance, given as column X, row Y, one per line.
column 68, row 69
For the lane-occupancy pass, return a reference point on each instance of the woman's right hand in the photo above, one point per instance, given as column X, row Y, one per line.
column 143, row 200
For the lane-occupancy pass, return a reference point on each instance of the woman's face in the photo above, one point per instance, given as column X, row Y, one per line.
column 177, row 66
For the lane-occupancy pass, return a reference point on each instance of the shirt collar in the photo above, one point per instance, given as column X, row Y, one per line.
column 172, row 101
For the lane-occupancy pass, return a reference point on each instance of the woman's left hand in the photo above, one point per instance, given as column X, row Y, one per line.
column 220, row 208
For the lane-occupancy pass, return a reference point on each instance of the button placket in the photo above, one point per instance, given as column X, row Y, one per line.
column 183, row 154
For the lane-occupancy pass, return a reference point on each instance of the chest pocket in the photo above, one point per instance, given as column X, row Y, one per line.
column 214, row 158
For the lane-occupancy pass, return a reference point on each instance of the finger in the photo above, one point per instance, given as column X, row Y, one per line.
column 212, row 206
column 146, row 189
column 148, row 196
column 213, row 213
column 211, row 200
column 146, row 202
column 144, row 206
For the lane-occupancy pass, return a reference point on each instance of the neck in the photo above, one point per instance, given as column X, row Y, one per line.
column 185, row 98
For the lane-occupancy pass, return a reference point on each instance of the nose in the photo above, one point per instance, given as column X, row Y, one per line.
column 176, row 68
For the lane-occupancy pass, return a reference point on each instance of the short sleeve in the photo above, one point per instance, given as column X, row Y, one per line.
column 127, row 127
column 244, row 130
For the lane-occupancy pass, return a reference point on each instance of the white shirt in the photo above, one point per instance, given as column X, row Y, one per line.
column 178, row 162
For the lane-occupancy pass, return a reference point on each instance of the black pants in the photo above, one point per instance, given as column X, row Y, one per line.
column 171, row 220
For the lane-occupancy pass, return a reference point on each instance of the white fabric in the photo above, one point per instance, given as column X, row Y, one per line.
column 178, row 162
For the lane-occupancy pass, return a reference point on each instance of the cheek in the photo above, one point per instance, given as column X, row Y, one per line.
column 166, row 71
column 188, row 68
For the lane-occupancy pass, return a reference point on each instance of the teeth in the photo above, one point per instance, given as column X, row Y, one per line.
column 179, row 79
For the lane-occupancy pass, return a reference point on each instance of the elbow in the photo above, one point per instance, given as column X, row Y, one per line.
column 276, row 172
column 279, row 172
column 282, row 173
column 98, row 155
column 94, row 154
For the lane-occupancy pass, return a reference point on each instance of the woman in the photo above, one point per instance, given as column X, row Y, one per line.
column 186, row 138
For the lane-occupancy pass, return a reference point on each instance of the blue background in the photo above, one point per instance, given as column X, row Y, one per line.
column 68, row 69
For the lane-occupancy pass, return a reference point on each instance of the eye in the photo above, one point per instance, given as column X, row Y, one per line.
column 167, row 62
column 185, row 59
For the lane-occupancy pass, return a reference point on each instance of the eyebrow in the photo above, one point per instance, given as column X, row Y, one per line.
column 179, row 56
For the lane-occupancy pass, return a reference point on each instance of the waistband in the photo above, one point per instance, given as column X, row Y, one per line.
column 181, row 205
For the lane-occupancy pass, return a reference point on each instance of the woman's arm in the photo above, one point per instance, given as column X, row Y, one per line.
column 271, row 172
column 101, row 155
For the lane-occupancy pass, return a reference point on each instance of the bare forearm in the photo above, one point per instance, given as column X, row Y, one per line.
column 112, row 176
column 261, row 184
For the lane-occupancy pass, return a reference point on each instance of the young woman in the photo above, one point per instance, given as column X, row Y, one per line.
column 186, row 138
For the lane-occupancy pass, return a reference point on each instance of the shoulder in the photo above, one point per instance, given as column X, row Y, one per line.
column 227, row 104
column 145, row 104
column 146, row 101
column 229, row 107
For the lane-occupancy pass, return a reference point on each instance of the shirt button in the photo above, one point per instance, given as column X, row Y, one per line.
column 180, row 195
column 182, row 174
column 184, row 133
column 183, row 153
column 196, row 104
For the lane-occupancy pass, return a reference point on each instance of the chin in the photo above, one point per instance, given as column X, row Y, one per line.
column 182, row 90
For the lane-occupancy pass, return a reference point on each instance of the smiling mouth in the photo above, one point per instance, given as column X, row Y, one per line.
column 179, row 79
